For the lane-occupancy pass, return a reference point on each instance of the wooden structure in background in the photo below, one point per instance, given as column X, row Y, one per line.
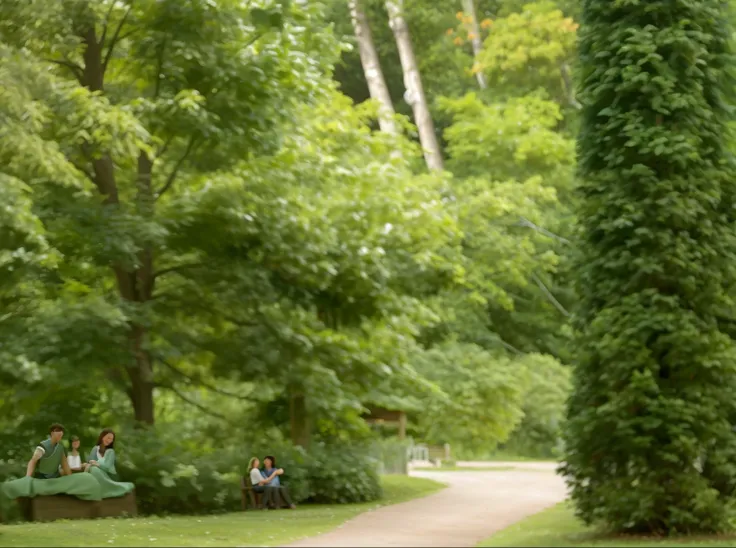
column 379, row 415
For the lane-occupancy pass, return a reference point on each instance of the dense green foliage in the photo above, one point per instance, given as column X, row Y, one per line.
column 204, row 232
column 651, row 443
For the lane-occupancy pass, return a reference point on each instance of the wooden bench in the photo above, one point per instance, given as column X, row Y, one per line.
column 53, row 507
column 248, row 495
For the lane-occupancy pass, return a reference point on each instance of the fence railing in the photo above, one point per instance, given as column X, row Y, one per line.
column 394, row 456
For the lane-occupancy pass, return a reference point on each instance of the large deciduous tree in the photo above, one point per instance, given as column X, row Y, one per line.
column 204, row 84
column 650, row 443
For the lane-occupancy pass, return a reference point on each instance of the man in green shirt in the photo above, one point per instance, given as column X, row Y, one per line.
column 49, row 458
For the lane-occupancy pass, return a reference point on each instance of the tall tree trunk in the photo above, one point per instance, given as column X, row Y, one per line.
column 133, row 286
column 469, row 10
column 372, row 67
column 414, row 94
column 300, row 422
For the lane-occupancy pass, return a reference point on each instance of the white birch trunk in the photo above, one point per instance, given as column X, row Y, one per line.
column 372, row 68
column 469, row 10
column 414, row 94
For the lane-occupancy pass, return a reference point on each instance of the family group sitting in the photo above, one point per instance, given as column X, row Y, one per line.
column 51, row 470
column 50, row 459
column 267, row 483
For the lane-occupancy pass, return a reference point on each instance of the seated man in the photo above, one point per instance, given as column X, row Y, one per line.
column 49, row 457
column 271, row 475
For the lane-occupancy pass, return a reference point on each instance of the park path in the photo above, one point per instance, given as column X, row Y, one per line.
column 474, row 506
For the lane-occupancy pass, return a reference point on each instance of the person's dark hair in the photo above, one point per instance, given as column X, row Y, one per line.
column 56, row 427
column 100, row 448
column 273, row 460
column 74, row 438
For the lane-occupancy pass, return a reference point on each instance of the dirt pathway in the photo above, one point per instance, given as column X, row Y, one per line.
column 472, row 508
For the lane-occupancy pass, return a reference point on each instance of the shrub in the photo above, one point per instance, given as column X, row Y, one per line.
column 176, row 476
column 343, row 474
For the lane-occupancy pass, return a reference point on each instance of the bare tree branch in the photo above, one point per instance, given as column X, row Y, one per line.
column 550, row 296
column 75, row 68
column 200, row 383
column 164, row 147
column 128, row 34
column 176, row 268
column 198, row 405
column 507, row 346
column 116, row 37
column 107, row 21
column 195, row 304
column 527, row 223
column 174, row 172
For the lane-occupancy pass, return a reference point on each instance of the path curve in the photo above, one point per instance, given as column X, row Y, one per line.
column 472, row 508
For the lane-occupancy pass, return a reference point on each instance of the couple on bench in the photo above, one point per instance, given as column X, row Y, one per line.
column 267, row 482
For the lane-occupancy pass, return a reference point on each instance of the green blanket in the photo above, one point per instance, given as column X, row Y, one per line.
column 94, row 485
column 109, row 488
column 83, row 486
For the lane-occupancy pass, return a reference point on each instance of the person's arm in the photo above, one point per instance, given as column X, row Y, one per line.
column 264, row 479
column 275, row 473
column 92, row 459
column 65, row 470
column 31, row 468
column 256, row 477
column 108, row 463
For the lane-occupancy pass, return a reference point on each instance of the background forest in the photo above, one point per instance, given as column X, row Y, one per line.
column 241, row 224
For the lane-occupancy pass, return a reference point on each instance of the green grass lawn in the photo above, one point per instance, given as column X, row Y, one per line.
column 503, row 457
column 251, row 528
column 559, row 527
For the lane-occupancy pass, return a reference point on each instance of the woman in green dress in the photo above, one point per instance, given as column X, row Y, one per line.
column 101, row 464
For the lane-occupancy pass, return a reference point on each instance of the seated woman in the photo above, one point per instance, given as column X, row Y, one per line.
column 259, row 482
column 101, row 464
column 74, row 458
column 271, row 473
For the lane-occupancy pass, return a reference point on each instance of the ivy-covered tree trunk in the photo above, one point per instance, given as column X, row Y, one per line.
column 135, row 285
column 650, row 441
